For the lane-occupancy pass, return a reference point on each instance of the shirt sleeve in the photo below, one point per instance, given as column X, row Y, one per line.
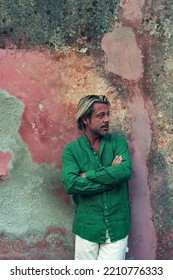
column 115, row 173
column 73, row 182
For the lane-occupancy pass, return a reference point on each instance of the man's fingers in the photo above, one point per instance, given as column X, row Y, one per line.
column 117, row 160
column 82, row 175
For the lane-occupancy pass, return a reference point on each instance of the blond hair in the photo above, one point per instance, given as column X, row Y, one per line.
column 85, row 107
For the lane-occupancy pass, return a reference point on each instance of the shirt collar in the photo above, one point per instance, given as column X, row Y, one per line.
column 86, row 144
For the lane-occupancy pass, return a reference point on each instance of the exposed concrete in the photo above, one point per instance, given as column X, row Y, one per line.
column 55, row 23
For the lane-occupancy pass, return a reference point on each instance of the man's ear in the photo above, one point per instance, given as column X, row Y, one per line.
column 85, row 120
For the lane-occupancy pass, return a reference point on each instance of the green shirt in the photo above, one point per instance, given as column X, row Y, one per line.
column 101, row 199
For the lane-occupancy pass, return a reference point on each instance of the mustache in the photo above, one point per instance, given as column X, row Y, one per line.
column 105, row 126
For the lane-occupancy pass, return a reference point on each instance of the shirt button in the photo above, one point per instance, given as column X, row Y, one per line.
column 106, row 207
column 106, row 221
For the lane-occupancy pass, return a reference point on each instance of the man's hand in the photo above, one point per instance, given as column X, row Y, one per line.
column 117, row 160
column 82, row 175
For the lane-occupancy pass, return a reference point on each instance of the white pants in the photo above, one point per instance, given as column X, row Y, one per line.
column 87, row 250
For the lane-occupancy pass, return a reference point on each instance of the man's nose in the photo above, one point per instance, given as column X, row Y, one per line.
column 106, row 118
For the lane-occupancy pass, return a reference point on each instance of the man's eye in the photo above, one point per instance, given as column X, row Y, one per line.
column 100, row 116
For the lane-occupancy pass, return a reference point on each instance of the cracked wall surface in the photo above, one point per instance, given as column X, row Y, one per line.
column 51, row 54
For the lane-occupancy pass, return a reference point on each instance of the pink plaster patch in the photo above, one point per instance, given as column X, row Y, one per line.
column 123, row 54
column 48, row 119
column 144, row 244
column 132, row 9
column 5, row 158
column 140, row 121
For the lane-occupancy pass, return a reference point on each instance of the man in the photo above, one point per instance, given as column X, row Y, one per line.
column 95, row 171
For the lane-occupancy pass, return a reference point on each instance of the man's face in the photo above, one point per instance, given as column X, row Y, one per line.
column 98, row 123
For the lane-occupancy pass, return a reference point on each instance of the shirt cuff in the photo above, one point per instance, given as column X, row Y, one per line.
column 90, row 174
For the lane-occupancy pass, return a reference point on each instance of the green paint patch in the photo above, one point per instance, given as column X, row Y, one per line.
column 27, row 202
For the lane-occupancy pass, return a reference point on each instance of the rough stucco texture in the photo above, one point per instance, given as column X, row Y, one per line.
column 50, row 56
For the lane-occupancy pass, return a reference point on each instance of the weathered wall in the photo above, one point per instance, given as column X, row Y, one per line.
column 51, row 54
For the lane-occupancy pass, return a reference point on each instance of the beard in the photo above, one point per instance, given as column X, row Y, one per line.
column 103, row 130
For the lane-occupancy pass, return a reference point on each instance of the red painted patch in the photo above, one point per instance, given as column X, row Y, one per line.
column 48, row 119
column 61, row 192
column 47, row 132
column 54, row 244
column 5, row 159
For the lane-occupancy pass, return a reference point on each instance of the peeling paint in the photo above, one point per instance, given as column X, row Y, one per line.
column 119, row 48
column 132, row 10
column 28, row 205
column 123, row 55
column 124, row 58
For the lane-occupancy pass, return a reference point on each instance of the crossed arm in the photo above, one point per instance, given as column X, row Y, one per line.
column 95, row 181
column 116, row 160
